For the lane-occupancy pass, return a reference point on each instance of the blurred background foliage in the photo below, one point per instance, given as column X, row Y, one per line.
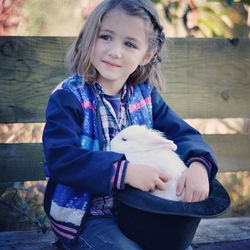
column 181, row 18
column 21, row 203
column 201, row 18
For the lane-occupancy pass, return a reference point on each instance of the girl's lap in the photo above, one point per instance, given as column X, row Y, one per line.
column 103, row 233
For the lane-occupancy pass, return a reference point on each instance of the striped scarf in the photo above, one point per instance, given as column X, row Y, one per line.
column 68, row 207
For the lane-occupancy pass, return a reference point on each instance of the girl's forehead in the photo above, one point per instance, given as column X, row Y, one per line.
column 126, row 25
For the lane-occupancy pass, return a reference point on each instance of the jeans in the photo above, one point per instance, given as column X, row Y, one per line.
column 103, row 233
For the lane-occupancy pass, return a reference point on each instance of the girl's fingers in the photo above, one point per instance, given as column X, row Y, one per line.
column 160, row 185
column 204, row 196
column 180, row 185
column 196, row 196
column 164, row 177
column 188, row 196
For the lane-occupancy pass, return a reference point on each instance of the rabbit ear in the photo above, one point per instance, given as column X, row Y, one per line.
column 164, row 143
column 156, row 140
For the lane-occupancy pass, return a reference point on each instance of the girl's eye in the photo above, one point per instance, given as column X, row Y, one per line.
column 130, row 45
column 106, row 37
column 124, row 139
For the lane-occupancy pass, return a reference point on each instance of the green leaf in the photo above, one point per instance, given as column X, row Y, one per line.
column 156, row 1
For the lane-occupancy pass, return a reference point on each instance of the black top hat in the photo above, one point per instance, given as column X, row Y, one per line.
column 156, row 223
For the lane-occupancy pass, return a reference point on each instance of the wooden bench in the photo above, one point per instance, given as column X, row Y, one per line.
column 206, row 78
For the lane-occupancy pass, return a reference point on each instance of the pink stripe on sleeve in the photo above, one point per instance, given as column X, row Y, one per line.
column 113, row 177
column 64, row 227
column 120, row 175
column 68, row 236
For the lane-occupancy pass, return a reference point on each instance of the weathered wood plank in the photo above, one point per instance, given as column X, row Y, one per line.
column 232, row 245
column 222, row 230
column 209, row 232
column 25, row 240
column 20, row 162
column 206, row 78
column 30, row 68
column 232, row 151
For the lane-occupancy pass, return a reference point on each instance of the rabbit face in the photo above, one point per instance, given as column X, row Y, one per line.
column 148, row 147
column 137, row 138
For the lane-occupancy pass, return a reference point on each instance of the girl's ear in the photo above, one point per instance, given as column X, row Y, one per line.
column 148, row 57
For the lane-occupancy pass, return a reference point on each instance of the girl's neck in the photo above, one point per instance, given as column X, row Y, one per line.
column 111, row 89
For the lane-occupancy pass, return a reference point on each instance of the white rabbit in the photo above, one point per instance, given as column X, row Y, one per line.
column 147, row 146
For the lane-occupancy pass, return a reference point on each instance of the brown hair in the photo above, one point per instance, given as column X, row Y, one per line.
column 78, row 57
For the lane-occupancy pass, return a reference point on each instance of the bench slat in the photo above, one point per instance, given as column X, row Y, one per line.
column 209, row 232
column 206, row 78
column 33, row 66
column 20, row 162
column 25, row 240
column 223, row 230
column 232, row 151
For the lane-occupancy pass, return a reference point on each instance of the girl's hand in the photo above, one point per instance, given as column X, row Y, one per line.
column 194, row 180
column 145, row 178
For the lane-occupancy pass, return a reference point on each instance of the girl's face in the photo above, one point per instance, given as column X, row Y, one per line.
column 121, row 45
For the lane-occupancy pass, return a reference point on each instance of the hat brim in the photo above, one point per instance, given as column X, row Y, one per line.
column 216, row 204
column 156, row 223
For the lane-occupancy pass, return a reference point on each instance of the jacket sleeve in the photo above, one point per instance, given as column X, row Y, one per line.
column 190, row 144
column 67, row 163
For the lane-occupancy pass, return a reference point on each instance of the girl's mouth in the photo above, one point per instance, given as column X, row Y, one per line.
column 111, row 64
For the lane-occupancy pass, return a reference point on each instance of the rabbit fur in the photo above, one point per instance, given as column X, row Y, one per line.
column 147, row 146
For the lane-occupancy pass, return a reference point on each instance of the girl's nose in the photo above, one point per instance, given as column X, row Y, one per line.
column 115, row 51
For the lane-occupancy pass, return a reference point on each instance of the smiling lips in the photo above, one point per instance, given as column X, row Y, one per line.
column 110, row 64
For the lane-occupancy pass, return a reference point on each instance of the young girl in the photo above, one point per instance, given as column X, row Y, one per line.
column 114, row 65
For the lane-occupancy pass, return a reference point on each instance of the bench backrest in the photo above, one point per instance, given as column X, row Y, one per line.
column 206, row 78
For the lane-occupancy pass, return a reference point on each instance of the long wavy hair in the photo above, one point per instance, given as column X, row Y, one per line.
column 78, row 57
